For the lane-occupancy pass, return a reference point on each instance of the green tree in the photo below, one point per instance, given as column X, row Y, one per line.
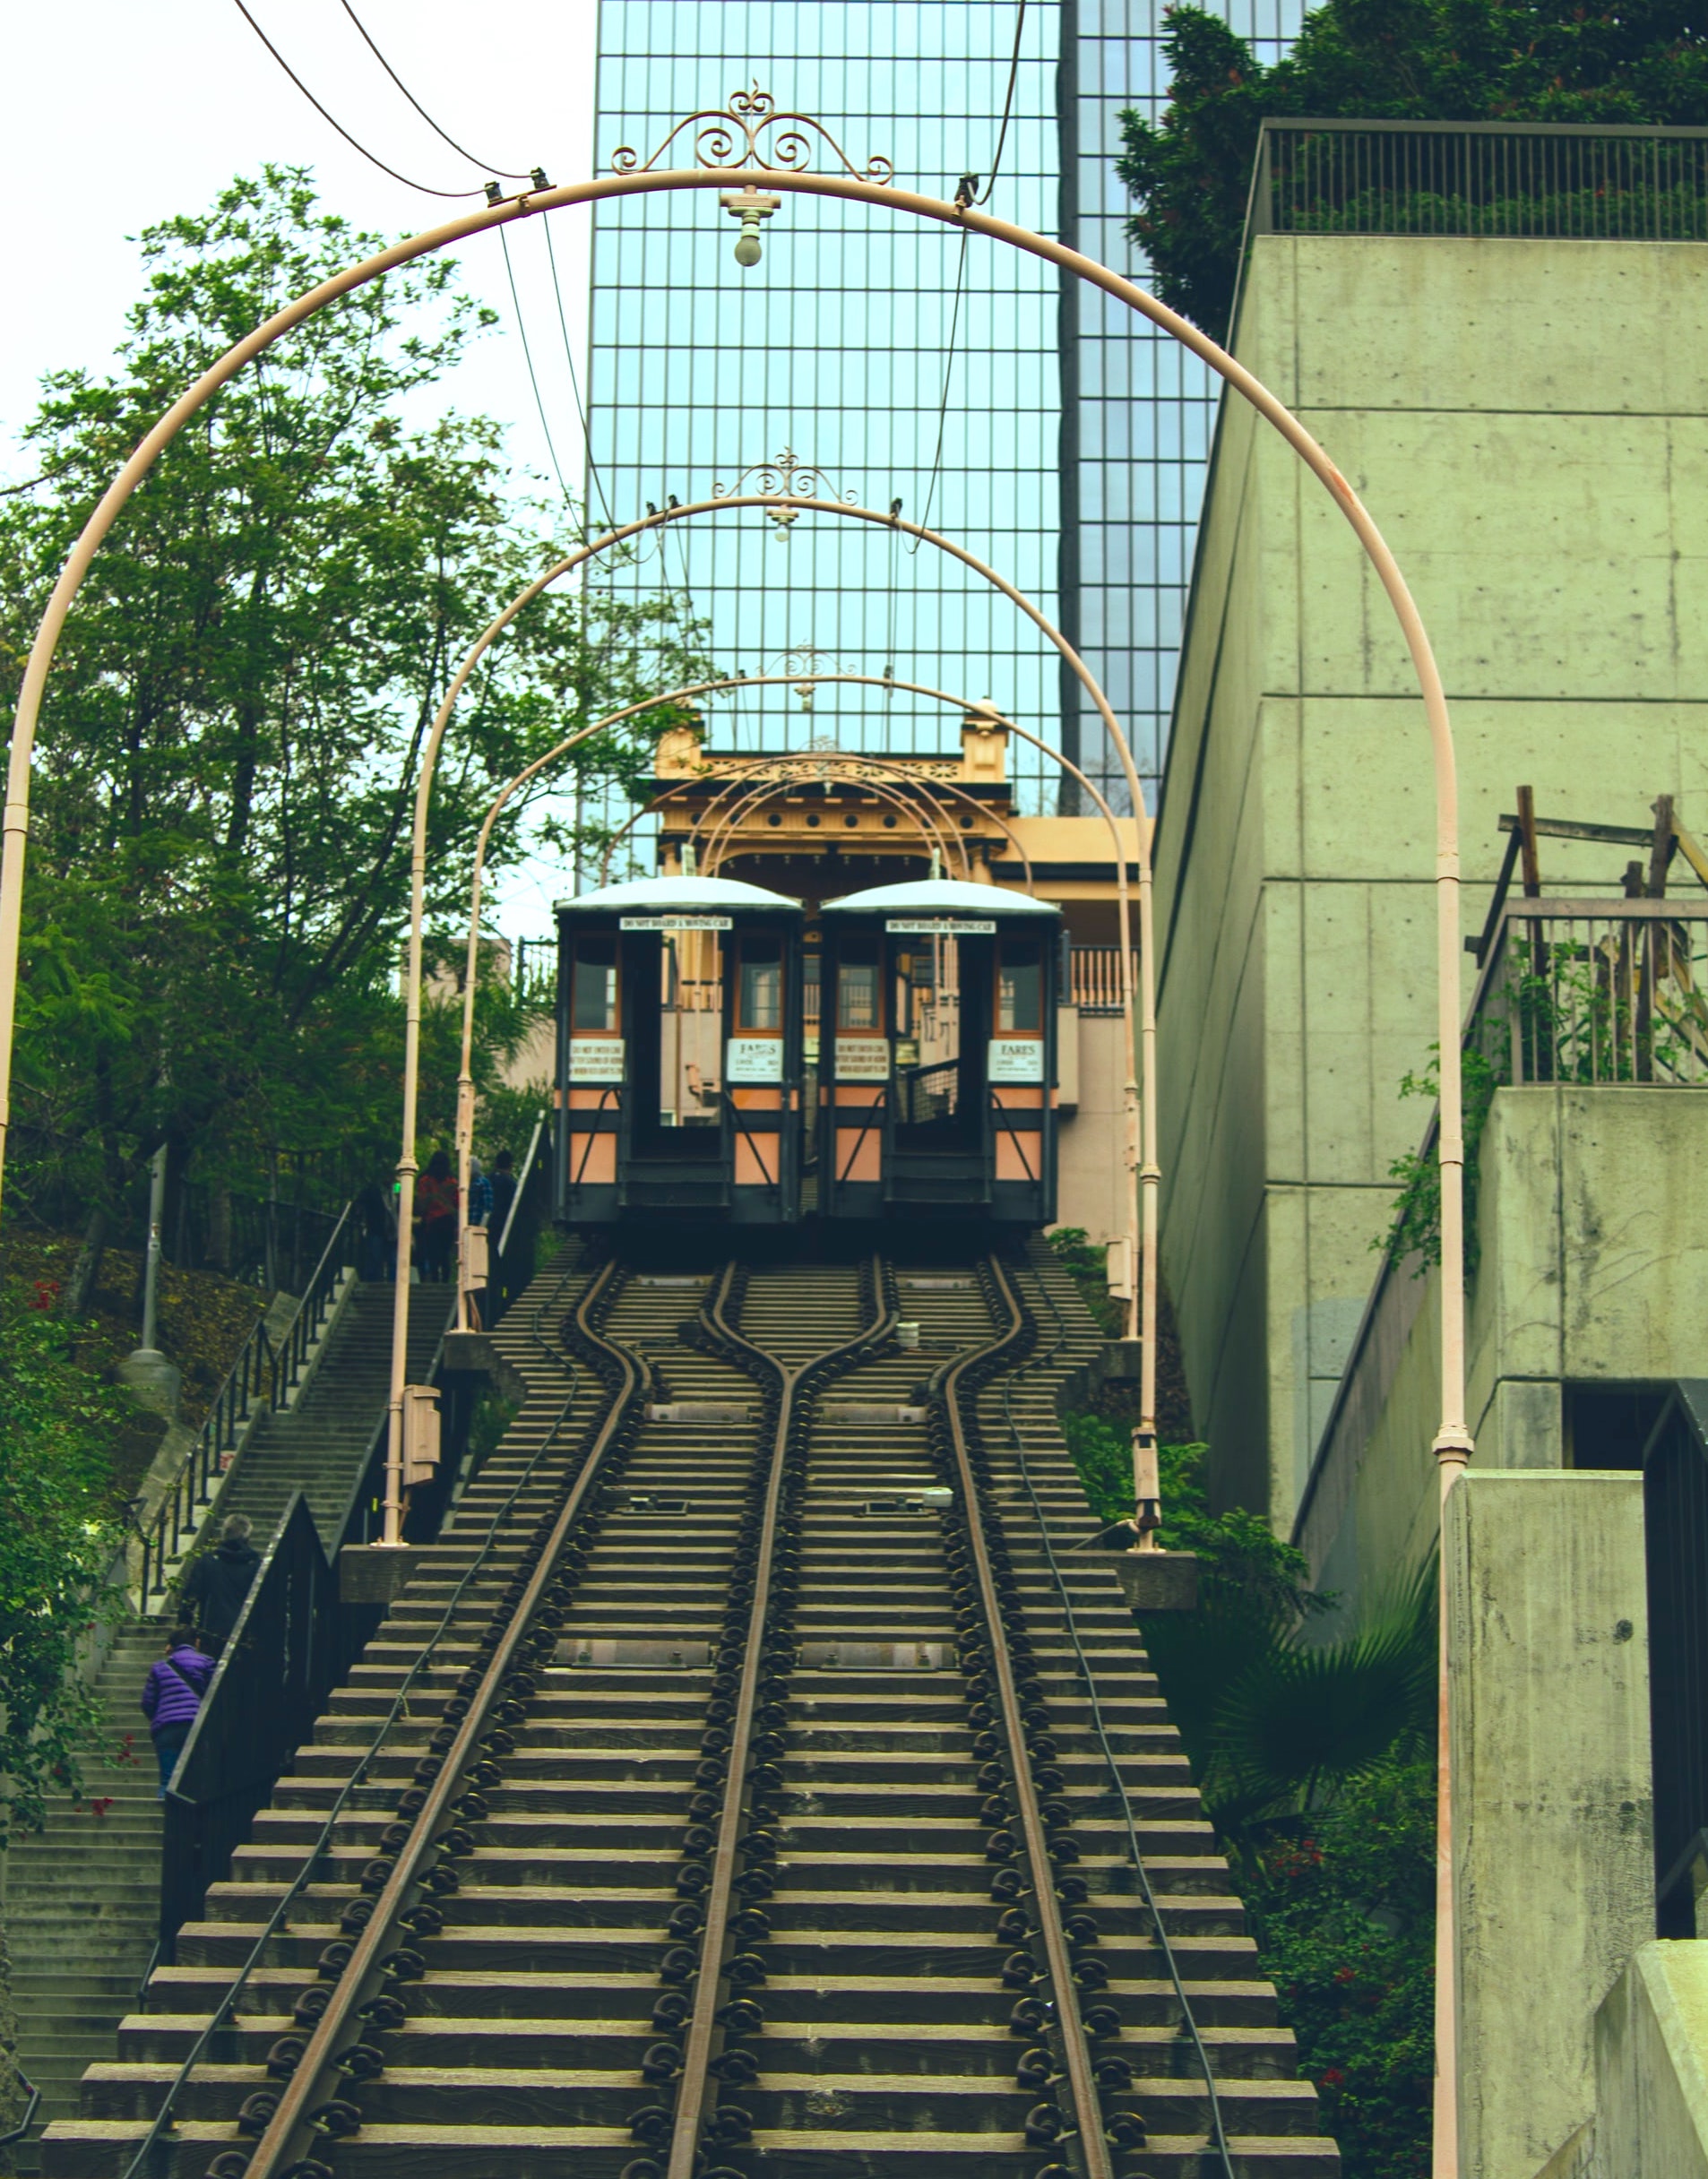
column 1343, row 1914
column 57, row 1539
column 1429, row 60
column 219, row 862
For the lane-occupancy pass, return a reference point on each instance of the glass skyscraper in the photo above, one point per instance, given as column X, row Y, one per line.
column 1072, row 439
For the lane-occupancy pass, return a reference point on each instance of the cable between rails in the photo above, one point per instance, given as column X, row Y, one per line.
column 164, row 2121
column 1224, row 2154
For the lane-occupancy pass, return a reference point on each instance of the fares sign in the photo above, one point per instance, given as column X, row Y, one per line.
column 752, row 1059
column 1016, row 1059
column 596, row 1059
column 862, row 1059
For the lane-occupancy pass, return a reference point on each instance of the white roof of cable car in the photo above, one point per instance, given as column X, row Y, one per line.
column 944, row 897
column 687, row 894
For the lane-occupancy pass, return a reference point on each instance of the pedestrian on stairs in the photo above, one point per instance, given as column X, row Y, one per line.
column 435, row 1206
column 172, row 1696
column 217, row 1583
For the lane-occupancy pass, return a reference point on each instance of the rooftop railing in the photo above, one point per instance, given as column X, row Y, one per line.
column 1595, row 991
column 1489, row 178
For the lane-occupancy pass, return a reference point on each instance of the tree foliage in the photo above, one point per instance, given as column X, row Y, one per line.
column 57, row 1539
column 1436, row 60
column 1343, row 1914
column 218, row 860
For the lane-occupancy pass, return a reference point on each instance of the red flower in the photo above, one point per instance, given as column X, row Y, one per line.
column 1333, row 2079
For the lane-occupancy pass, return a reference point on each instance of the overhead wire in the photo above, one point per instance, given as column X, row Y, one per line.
column 515, row 174
column 356, row 145
column 528, row 357
column 967, row 194
column 1008, row 104
column 575, row 384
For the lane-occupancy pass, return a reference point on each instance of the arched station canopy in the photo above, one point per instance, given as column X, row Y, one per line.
column 687, row 896
column 950, row 897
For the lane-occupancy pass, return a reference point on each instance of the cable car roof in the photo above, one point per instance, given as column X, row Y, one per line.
column 680, row 894
column 949, row 896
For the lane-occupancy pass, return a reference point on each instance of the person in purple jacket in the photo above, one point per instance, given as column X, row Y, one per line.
column 171, row 1697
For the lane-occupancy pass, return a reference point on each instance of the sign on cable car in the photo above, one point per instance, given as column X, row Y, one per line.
column 942, row 926
column 1016, row 1059
column 862, row 1059
column 673, row 923
column 596, row 1059
column 754, row 1059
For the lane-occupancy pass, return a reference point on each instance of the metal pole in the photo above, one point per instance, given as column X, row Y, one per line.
column 151, row 1272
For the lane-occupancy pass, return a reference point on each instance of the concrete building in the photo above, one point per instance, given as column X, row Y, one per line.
column 1528, row 421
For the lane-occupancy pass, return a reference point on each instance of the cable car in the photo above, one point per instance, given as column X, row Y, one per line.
column 937, row 1053
column 678, row 1054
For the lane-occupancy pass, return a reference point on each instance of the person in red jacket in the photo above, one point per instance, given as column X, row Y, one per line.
column 172, row 1697
column 435, row 1214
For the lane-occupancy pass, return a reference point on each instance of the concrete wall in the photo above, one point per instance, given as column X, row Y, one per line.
column 1553, row 1856
column 1529, row 423
column 1090, row 1163
column 1592, row 1265
column 1652, row 2067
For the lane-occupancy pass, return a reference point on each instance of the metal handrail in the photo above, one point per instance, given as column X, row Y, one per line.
column 263, row 1376
column 29, row 2118
column 1585, row 180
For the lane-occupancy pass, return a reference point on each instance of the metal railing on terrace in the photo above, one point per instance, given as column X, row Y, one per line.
column 1595, row 991
column 1487, row 178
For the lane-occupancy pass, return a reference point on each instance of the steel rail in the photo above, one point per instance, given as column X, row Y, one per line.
column 163, row 2119
column 301, row 2113
column 695, row 2095
column 1188, row 2020
column 947, row 1384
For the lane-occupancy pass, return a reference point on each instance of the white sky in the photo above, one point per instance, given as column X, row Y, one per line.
column 121, row 113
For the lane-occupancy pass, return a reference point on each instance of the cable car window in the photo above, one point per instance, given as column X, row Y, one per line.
column 1020, row 992
column 857, row 994
column 593, row 1001
column 759, row 1003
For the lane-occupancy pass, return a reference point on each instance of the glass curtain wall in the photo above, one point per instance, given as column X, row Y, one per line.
column 1139, row 410
column 834, row 347
column 1074, row 438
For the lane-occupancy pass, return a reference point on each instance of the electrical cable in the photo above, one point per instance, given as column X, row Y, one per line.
column 372, row 162
column 1008, row 104
column 1186, row 2018
column 528, row 357
column 943, row 406
column 513, row 174
column 574, row 383
column 968, row 193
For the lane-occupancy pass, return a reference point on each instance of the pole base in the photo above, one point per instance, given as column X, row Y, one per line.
column 373, row 1574
column 151, row 1380
column 1158, row 1581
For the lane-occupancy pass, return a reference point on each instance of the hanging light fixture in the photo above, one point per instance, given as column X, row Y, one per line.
column 750, row 206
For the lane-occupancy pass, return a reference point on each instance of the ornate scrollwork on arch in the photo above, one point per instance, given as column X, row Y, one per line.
column 753, row 137
column 784, row 476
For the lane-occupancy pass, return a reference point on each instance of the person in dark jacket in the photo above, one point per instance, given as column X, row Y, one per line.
column 172, row 1696
column 218, row 1582
column 503, row 1184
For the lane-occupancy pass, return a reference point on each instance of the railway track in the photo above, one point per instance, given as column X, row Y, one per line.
column 750, row 1780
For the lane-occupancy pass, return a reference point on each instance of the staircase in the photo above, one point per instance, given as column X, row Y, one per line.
column 83, row 1899
column 320, row 1445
